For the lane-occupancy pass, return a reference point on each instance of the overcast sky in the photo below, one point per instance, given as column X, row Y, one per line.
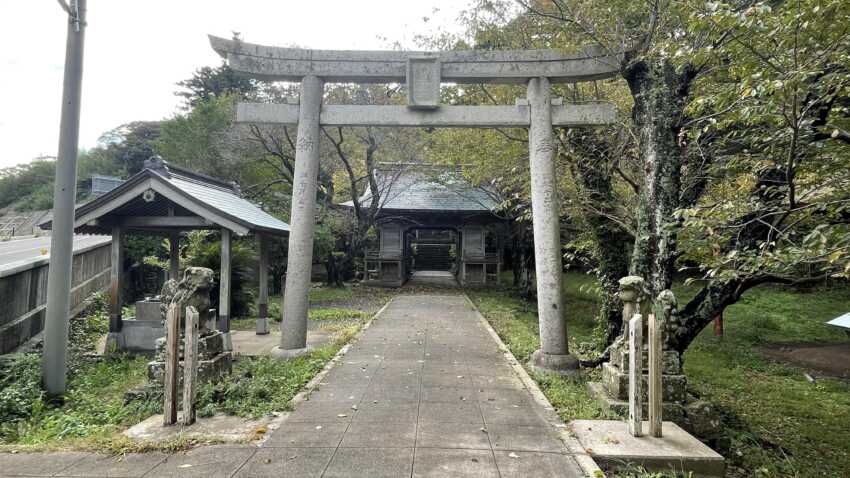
column 136, row 50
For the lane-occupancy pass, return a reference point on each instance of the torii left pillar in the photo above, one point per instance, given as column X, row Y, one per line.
column 553, row 355
column 299, row 262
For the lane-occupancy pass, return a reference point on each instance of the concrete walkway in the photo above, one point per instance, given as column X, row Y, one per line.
column 441, row 279
column 424, row 392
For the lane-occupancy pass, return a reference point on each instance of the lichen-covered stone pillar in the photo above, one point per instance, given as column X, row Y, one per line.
column 553, row 355
column 293, row 327
column 224, row 290
column 263, row 285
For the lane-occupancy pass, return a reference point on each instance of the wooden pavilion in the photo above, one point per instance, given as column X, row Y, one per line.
column 165, row 200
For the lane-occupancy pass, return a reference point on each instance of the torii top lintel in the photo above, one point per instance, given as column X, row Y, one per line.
column 473, row 66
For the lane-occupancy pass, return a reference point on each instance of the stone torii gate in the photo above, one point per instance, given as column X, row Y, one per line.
column 422, row 72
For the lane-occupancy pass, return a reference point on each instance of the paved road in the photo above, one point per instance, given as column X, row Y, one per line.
column 22, row 249
column 425, row 391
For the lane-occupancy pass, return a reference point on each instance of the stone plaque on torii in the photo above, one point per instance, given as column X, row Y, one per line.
column 422, row 73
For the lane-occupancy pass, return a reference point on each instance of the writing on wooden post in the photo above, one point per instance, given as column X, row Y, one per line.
column 190, row 366
column 654, row 325
column 172, row 364
column 635, row 374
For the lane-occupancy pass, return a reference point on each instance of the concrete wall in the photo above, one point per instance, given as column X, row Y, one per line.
column 23, row 292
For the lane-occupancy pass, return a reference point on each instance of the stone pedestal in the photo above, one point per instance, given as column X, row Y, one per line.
column 213, row 361
column 615, row 383
column 614, row 389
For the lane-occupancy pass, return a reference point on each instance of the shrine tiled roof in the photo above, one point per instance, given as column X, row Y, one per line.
column 429, row 189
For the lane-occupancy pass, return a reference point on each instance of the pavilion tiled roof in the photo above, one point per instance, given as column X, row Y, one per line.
column 190, row 193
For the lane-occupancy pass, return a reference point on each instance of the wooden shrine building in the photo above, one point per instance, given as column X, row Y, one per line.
column 432, row 220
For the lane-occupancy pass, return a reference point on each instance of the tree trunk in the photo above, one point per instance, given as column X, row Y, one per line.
column 522, row 257
column 612, row 241
column 659, row 91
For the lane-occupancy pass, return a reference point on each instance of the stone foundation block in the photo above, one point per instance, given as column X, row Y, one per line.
column 208, row 370
column 672, row 411
column 671, row 363
column 617, row 385
column 209, row 346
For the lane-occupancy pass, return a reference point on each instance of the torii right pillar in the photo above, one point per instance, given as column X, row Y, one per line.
column 553, row 355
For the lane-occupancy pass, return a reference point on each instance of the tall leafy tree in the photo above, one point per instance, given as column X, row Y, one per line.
column 129, row 145
column 209, row 83
column 735, row 147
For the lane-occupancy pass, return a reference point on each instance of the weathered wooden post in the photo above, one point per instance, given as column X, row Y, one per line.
column 263, row 283
column 116, row 299
column 655, row 333
column 224, row 290
column 190, row 366
column 635, row 375
column 172, row 364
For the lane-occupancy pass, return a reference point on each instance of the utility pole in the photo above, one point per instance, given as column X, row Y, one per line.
column 64, row 196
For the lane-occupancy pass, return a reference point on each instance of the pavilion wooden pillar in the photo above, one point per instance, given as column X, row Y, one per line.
column 224, row 290
column 263, row 279
column 174, row 257
column 116, row 296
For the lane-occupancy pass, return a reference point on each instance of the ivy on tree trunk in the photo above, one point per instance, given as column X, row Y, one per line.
column 660, row 92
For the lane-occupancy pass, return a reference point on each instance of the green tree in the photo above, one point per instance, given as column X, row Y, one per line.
column 734, row 149
column 127, row 146
column 209, row 83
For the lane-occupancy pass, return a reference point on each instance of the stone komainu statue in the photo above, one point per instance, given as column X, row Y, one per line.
column 193, row 290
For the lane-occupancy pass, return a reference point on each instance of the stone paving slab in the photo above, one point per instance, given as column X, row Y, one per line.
column 204, row 462
column 37, row 464
column 135, row 465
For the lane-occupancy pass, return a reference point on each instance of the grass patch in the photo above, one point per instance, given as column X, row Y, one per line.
column 515, row 320
column 776, row 422
column 321, row 295
column 336, row 313
column 263, row 385
column 94, row 411
column 93, row 406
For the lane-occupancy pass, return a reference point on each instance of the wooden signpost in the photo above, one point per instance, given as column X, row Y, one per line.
column 190, row 366
column 654, row 380
column 172, row 365
column 635, row 374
